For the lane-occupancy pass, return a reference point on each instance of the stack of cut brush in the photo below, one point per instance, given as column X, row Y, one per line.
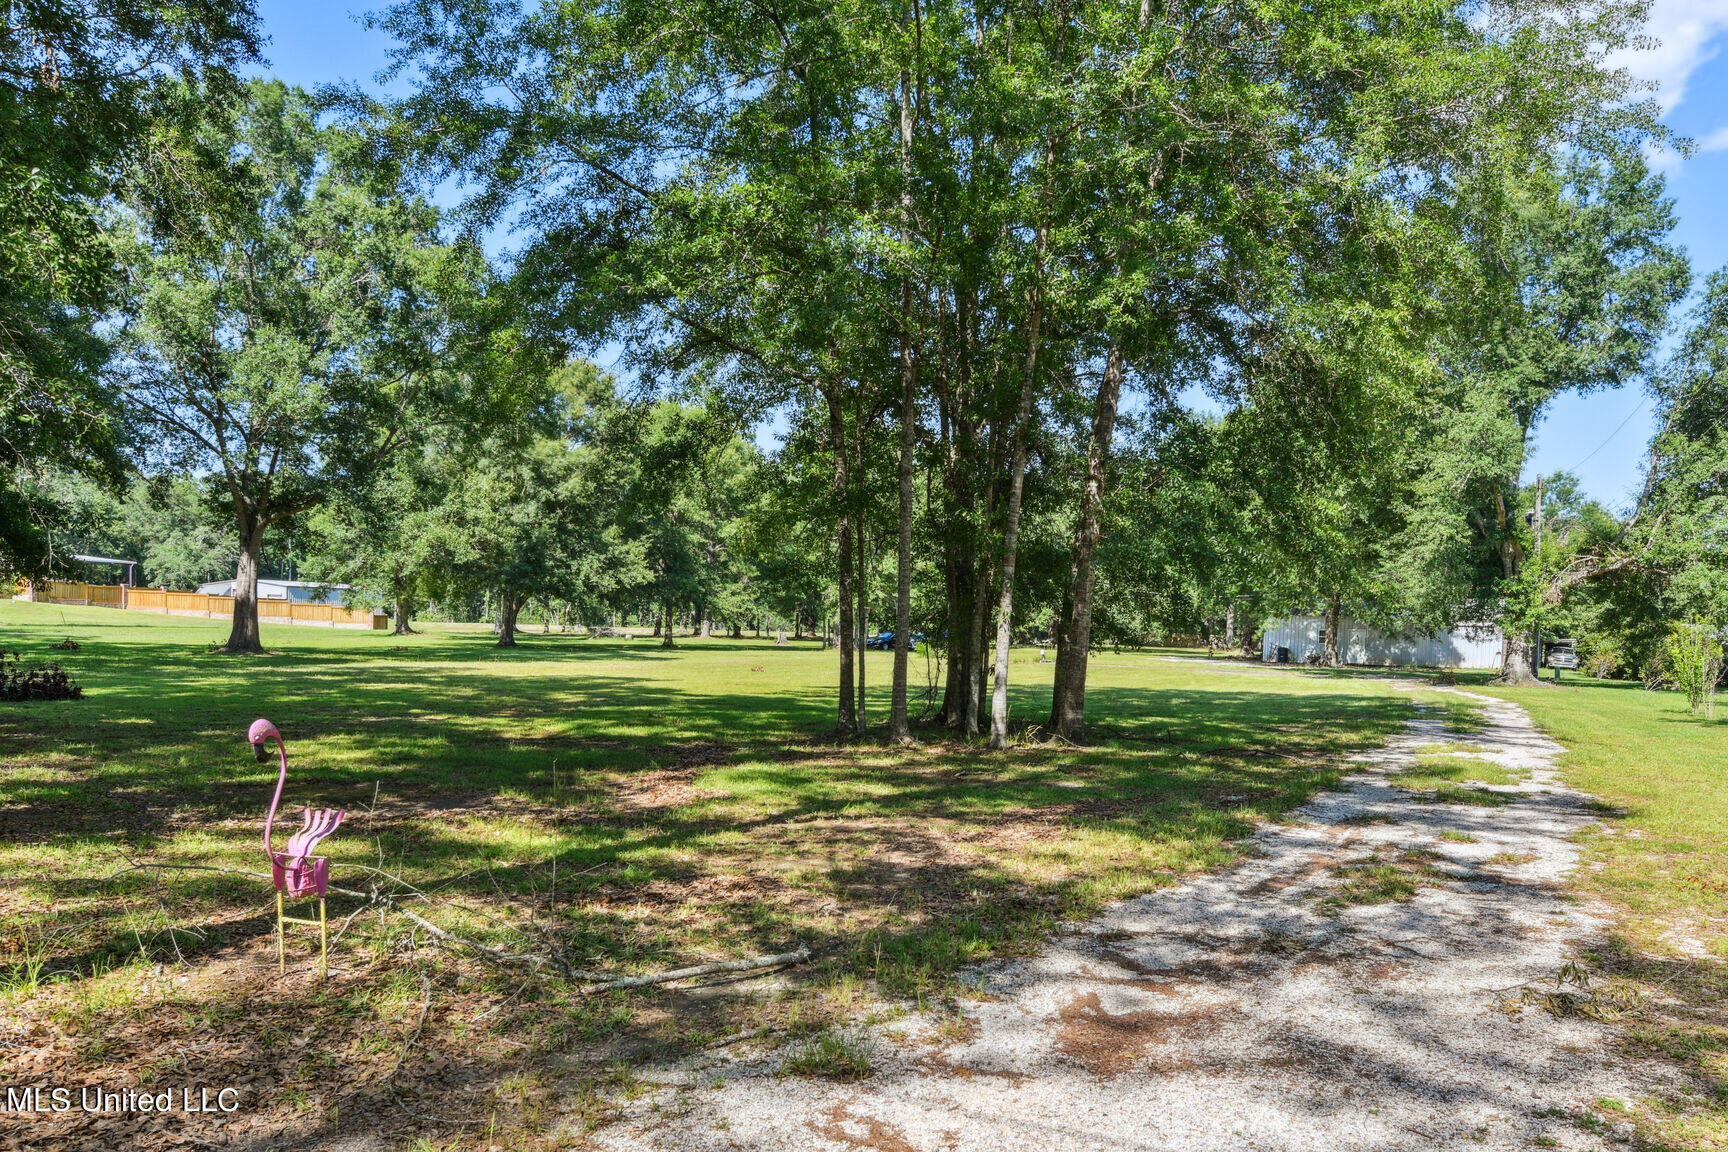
column 41, row 680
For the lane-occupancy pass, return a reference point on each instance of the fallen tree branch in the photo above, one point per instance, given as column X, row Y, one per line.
column 781, row 960
column 375, row 898
column 500, row 957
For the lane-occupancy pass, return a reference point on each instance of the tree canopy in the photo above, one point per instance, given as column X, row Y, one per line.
column 1077, row 321
column 81, row 82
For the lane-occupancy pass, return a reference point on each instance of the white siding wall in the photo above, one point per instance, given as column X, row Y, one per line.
column 278, row 590
column 1464, row 647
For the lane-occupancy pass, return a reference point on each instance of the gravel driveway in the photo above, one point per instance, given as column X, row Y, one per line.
column 1275, row 1005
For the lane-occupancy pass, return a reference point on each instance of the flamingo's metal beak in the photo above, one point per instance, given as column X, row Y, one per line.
column 259, row 751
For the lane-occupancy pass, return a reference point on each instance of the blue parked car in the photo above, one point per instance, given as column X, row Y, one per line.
column 884, row 641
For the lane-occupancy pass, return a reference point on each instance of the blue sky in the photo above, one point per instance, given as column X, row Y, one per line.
column 1601, row 437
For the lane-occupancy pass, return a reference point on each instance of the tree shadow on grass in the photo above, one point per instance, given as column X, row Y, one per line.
column 827, row 806
column 699, row 809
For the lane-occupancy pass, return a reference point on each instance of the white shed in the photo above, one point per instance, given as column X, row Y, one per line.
column 1466, row 646
column 296, row 591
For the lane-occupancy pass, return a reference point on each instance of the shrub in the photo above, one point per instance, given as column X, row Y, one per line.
column 1695, row 663
column 1601, row 658
column 37, row 681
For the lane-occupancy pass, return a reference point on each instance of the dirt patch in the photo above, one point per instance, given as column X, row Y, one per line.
column 1164, row 985
column 939, row 1063
column 1279, row 881
column 1314, row 1054
column 841, row 1127
column 1108, row 1044
column 660, row 789
column 1387, row 970
column 1226, row 964
column 715, row 888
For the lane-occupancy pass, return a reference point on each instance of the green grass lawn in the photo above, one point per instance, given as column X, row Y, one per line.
column 1660, row 857
column 632, row 807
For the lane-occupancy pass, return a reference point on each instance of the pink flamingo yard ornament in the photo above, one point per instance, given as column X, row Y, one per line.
column 296, row 871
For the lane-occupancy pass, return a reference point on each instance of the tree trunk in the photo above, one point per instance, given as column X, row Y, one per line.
column 1005, row 608
column 404, row 613
column 1333, row 608
column 848, row 718
column 958, row 684
column 1230, row 626
column 899, row 724
column 1016, row 486
column 977, row 688
column 1062, row 641
column 960, row 445
column 863, row 621
column 1068, row 697
column 1518, row 660
column 243, row 638
column 507, row 610
column 666, row 640
column 1018, row 455
column 1011, row 539
column 978, row 701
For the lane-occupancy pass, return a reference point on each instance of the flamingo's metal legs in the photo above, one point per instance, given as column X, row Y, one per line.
column 323, row 926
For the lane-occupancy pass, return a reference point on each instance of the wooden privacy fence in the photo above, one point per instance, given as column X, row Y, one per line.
column 166, row 603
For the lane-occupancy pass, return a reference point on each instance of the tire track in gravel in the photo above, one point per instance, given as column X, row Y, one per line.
column 1257, row 1007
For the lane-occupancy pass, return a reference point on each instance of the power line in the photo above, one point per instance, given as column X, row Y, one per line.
column 1612, row 434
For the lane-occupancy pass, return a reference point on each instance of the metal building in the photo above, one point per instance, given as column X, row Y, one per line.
column 1467, row 646
column 297, row 591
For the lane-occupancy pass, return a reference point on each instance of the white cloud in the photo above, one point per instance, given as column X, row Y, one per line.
column 1663, row 159
column 1717, row 141
column 1689, row 33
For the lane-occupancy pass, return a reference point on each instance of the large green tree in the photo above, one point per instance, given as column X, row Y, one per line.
column 80, row 81
column 1575, row 292
column 966, row 223
column 1682, row 518
column 167, row 522
column 297, row 318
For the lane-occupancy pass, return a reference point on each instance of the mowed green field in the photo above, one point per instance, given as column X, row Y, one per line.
column 632, row 765
column 1664, row 851
column 631, row 807
column 1659, row 857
